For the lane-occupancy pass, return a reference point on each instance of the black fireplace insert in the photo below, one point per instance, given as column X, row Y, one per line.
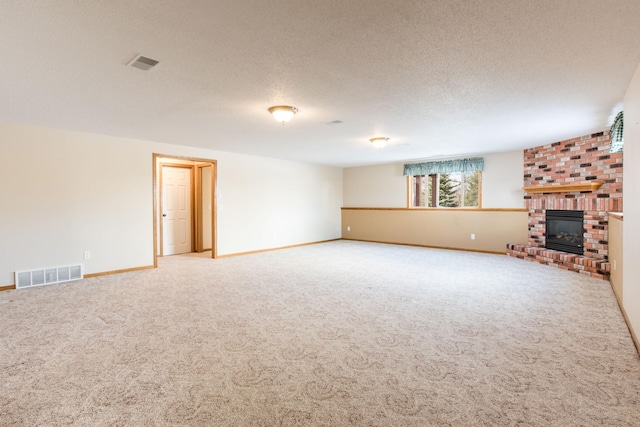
column 565, row 231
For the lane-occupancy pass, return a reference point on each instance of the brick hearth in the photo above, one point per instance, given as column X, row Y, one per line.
column 577, row 160
column 566, row 261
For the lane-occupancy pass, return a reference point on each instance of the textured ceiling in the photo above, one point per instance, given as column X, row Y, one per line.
column 440, row 78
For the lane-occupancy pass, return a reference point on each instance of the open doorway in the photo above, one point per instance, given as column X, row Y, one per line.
column 184, row 217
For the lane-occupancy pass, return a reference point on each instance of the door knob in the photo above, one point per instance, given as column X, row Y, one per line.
column 164, row 214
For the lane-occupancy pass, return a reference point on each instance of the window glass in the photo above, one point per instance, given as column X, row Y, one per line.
column 617, row 134
column 617, row 146
column 447, row 190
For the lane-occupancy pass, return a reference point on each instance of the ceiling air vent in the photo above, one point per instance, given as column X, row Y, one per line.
column 142, row 63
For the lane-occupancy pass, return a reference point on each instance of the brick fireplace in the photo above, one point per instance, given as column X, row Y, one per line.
column 579, row 174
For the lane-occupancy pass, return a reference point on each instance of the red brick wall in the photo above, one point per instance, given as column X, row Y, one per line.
column 575, row 160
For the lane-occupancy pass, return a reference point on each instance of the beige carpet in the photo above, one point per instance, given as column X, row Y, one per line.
column 336, row 334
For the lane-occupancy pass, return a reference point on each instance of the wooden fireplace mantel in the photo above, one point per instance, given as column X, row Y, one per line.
column 564, row 188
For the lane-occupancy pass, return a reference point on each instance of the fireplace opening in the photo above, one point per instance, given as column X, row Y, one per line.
column 565, row 231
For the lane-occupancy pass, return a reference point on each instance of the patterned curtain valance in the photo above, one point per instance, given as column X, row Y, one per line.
column 617, row 133
column 445, row 166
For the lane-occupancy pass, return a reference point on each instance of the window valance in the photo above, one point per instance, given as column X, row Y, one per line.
column 444, row 166
column 617, row 133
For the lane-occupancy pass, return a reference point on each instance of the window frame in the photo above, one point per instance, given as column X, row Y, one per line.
column 434, row 184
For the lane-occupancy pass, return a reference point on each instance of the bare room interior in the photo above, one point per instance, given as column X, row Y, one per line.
column 249, row 213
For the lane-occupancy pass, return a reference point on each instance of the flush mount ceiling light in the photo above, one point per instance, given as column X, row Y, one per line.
column 283, row 113
column 379, row 142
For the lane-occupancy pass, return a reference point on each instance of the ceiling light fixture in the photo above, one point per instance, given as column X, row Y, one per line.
column 283, row 113
column 379, row 142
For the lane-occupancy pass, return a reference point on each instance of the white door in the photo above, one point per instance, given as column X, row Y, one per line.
column 176, row 210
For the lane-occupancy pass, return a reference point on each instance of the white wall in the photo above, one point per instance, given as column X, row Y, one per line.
column 384, row 185
column 264, row 203
column 631, row 197
column 67, row 192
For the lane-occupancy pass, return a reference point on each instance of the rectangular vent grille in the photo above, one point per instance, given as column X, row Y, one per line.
column 48, row 276
column 143, row 63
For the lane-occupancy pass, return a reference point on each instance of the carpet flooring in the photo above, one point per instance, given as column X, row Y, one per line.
column 336, row 334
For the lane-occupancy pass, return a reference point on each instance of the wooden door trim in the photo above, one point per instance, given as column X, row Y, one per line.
column 214, row 210
column 199, row 205
column 200, row 208
column 156, row 187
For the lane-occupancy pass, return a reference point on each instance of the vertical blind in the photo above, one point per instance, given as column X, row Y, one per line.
column 445, row 166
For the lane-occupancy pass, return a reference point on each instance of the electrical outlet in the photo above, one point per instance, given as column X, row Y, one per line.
column 87, row 255
column 473, row 237
column 615, row 265
column 348, row 228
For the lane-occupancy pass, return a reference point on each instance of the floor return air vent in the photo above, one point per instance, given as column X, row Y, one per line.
column 48, row 276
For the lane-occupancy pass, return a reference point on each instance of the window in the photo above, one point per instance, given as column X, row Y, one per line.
column 617, row 134
column 447, row 190
column 447, row 183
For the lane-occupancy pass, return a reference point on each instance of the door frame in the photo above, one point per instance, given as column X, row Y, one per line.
column 192, row 192
column 157, row 191
column 199, row 241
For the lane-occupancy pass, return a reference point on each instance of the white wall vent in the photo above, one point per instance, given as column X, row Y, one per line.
column 48, row 276
column 142, row 63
